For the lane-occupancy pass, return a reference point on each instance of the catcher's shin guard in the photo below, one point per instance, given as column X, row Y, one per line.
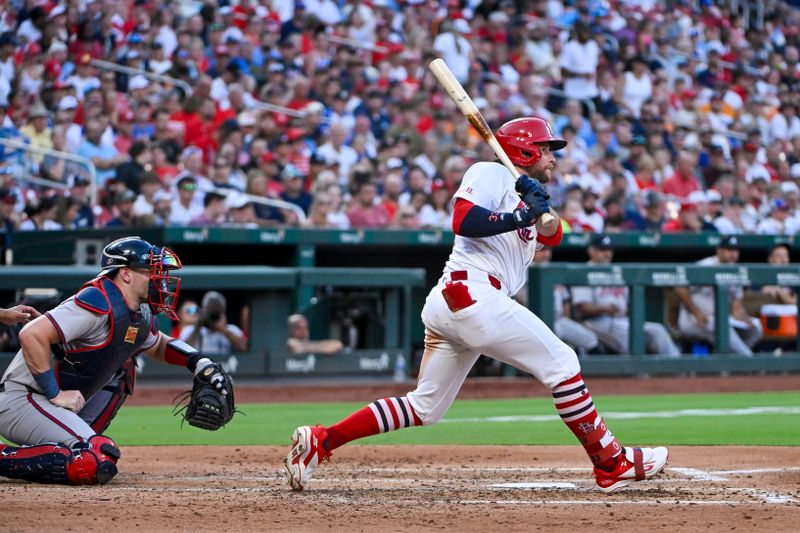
column 44, row 463
column 89, row 463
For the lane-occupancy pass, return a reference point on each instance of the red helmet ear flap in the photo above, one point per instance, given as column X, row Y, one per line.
column 535, row 154
column 519, row 138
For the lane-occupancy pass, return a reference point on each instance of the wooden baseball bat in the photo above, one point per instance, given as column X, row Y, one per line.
column 456, row 91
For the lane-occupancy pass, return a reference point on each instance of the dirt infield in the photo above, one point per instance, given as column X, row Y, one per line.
column 391, row 488
column 423, row 488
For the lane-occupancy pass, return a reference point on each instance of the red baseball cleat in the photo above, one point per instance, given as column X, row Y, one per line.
column 307, row 453
column 635, row 464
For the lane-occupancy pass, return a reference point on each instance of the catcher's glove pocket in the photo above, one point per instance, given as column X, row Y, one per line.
column 210, row 404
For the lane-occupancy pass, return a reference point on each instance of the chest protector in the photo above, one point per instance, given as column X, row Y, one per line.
column 88, row 369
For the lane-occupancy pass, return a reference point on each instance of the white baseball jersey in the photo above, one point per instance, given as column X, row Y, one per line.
column 506, row 256
column 602, row 296
column 703, row 296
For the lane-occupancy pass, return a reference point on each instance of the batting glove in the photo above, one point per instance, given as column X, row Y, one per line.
column 526, row 186
column 534, row 195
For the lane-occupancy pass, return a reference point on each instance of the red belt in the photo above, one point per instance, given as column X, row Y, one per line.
column 461, row 275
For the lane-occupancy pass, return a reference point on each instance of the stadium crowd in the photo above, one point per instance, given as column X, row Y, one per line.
column 680, row 116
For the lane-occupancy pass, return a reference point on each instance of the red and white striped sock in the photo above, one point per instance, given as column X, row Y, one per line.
column 575, row 407
column 381, row 416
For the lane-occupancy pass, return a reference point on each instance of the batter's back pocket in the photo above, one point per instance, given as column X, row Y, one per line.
column 456, row 296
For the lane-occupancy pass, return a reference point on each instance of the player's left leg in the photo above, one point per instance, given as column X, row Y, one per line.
column 528, row 344
column 57, row 445
column 659, row 340
column 443, row 370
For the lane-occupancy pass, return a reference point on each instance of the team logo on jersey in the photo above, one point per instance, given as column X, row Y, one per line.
column 130, row 335
column 526, row 234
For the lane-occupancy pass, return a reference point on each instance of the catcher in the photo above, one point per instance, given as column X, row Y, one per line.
column 77, row 365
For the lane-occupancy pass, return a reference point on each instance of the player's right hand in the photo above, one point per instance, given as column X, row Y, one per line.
column 69, row 399
column 534, row 196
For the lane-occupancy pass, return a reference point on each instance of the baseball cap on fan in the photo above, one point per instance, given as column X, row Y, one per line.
column 729, row 242
column 67, row 102
column 601, row 241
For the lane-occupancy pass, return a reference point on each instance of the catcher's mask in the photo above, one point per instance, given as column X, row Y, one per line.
column 518, row 138
column 135, row 252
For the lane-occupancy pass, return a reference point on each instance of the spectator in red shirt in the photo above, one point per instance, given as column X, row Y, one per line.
column 201, row 133
column 364, row 213
column 683, row 181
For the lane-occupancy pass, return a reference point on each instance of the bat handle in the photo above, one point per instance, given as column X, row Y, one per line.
column 547, row 220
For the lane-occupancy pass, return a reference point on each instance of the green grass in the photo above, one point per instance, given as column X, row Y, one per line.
column 273, row 423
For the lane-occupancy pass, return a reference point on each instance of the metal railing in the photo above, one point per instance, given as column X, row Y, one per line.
column 275, row 108
column 346, row 41
column 28, row 176
column 108, row 65
column 271, row 202
column 724, row 131
column 27, row 173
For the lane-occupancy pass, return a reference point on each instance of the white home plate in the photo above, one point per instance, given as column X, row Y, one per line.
column 551, row 485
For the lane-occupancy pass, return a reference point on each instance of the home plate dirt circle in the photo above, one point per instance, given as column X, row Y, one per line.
column 417, row 488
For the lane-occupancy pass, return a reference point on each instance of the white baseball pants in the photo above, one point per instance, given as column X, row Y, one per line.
column 496, row 326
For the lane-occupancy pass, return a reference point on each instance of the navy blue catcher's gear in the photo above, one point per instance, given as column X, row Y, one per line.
column 90, row 369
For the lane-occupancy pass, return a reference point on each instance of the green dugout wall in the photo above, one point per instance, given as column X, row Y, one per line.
column 305, row 268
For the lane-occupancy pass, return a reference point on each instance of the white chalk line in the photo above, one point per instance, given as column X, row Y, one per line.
column 691, row 474
column 661, row 499
column 625, row 415
column 756, row 471
column 698, row 475
column 767, row 495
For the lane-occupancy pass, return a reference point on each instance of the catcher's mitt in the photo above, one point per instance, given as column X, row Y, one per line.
column 210, row 403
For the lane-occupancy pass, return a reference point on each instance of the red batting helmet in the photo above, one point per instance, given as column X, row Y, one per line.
column 518, row 138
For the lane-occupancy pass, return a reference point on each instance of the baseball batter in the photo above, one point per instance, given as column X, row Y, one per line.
column 471, row 311
column 76, row 367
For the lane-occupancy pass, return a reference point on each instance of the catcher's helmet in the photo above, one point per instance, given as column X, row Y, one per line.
column 518, row 138
column 137, row 253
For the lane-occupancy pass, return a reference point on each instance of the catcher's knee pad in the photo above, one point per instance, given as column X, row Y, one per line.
column 93, row 462
column 43, row 463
